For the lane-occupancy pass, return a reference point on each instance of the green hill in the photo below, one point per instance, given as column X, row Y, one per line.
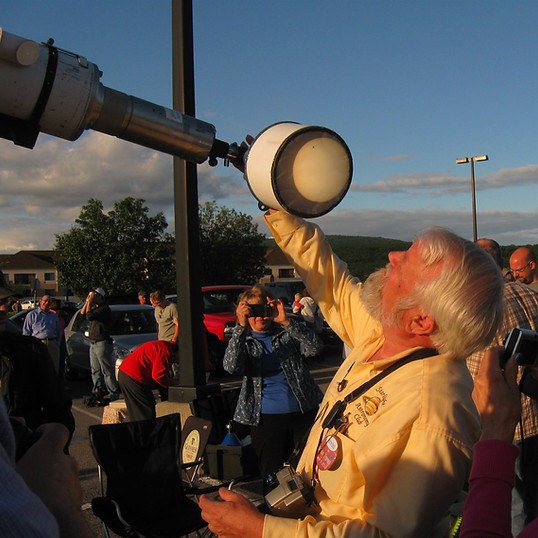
column 363, row 255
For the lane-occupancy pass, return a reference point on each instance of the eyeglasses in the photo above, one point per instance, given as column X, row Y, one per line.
column 514, row 271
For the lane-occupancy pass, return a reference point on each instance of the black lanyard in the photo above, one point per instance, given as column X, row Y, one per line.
column 336, row 414
column 336, row 419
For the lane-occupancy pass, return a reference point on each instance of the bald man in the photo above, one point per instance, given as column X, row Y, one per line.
column 523, row 267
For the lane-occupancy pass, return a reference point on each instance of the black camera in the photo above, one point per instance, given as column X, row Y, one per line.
column 523, row 343
column 260, row 311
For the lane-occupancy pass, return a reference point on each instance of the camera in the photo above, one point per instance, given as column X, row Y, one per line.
column 260, row 311
column 523, row 343
column 291, row 497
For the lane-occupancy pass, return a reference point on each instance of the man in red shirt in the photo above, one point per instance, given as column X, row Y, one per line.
column 147, row 368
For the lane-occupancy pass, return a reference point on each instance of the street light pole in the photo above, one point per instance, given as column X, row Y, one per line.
column 464, row 160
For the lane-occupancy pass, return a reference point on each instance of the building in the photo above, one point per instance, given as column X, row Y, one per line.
column 29, row 270
column 277, row 266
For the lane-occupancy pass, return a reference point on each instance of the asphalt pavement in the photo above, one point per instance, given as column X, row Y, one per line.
column 322, row 370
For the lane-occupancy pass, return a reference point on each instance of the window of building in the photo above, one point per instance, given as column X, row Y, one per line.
column 50, row 276
column 285, row 273
column 23, row 278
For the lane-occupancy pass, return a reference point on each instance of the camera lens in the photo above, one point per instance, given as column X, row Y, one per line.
column 270, row 482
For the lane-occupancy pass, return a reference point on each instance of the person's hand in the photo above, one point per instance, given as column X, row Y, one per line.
column 281, row 315
column 233, row 516
column 53, row 476
column 240, row 164
column 496, row 396
column 242, row 312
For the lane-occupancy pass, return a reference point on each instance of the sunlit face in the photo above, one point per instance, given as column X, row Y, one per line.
column 257, row 323
column 522, row 268
column 44, row 302
column 384, row 290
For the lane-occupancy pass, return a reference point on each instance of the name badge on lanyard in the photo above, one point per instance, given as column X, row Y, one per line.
column 329, row 454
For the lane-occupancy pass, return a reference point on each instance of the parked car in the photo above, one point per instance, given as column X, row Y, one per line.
column 132, row 325
column 29, row 303
column 219, row 304
column 19, row 318
column 285, row 289
column 12, row 327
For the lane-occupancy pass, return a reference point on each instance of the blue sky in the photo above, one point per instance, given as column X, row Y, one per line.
column 410, row 86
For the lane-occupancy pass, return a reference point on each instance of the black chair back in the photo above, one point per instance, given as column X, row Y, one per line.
column 141, row 463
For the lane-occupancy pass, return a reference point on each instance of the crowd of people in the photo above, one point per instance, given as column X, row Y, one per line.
column 419, row 413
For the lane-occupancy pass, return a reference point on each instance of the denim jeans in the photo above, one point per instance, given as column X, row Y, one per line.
column 102, row 368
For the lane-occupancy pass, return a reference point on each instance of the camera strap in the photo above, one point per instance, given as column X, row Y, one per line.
column 335, row 416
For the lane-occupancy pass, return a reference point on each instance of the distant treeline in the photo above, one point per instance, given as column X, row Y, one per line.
column 364, row 255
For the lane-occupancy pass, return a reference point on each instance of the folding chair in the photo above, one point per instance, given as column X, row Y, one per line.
column 144, row 495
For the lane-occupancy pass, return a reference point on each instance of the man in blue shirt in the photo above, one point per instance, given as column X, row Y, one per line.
column 44, row 325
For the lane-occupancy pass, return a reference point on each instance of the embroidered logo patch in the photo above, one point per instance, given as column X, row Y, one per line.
column 369, row 406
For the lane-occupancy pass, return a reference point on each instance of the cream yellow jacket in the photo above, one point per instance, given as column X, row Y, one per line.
column 407, row 451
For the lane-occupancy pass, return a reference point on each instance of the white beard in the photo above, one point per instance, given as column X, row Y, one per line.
column 372, row 291
column 372, row 296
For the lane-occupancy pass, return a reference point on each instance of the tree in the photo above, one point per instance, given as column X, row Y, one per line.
column 122, row 251
column 232, row 250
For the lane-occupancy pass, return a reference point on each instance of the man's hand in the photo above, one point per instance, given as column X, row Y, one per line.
column 175, row 337
column 235, row 517
column 240, row 164
column 496, row 396
column 53, row 477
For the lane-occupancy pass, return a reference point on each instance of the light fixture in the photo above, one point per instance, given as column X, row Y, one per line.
column 465, row 160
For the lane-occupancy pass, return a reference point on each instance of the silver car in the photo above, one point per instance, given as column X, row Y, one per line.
column 132, row 325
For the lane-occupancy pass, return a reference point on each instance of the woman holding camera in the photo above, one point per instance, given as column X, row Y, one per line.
column 279, row 398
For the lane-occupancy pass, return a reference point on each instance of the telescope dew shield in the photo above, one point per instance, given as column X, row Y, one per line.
column 305, row 170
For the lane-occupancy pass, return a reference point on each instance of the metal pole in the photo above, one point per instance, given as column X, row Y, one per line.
column 473, row 190
column 192, row 340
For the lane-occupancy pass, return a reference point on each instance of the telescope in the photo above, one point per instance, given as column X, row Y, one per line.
column 305, row 170
column 50, row 90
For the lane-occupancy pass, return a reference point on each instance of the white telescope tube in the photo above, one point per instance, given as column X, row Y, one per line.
column 47, row 89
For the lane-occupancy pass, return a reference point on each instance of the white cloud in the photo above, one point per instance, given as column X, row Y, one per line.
column 43, row 190
column 399, row 157
column 437, row 183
